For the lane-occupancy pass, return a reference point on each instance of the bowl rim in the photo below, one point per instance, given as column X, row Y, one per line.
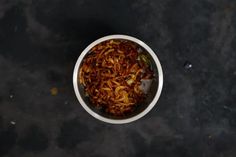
column 146, row 110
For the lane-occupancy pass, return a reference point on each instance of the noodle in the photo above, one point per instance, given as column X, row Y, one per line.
column 111, row 76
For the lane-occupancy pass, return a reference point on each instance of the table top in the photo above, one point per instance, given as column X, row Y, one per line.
column 40, row 42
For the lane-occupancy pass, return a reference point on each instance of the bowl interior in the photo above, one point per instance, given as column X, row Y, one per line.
column 140, row 106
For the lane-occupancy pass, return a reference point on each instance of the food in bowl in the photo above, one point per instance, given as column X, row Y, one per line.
column 151, row 86
column 116, row 75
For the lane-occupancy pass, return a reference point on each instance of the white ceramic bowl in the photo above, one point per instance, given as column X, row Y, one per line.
column 151, row 100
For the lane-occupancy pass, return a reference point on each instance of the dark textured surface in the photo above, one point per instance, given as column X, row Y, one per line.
column 41, row 40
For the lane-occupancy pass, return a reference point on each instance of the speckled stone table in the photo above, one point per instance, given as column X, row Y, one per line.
column 40, row 41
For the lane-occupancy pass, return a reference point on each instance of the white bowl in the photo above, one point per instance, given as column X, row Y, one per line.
column 156, row 91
